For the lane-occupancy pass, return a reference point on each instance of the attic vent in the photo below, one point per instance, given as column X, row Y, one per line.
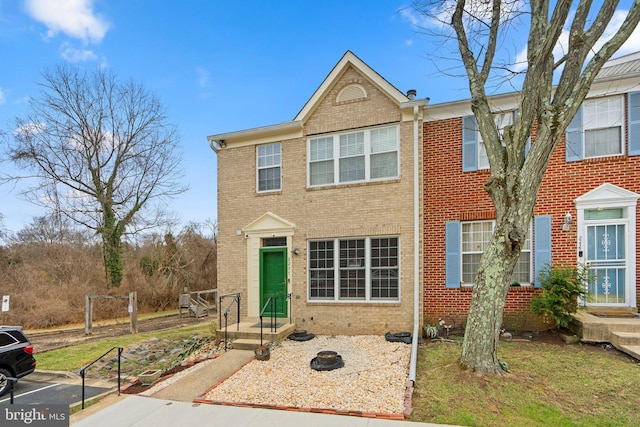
column 351, row 93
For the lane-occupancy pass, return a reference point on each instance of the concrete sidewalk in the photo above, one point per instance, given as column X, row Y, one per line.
column 194, row 382
column 136, row 411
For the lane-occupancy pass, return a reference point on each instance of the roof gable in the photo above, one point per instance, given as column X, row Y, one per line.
column 349, row 60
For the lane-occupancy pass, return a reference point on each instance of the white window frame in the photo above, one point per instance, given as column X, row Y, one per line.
column 501, row 119
column 367, row 153
column 369, row 271
column 480, row 251
column 271, row 162
column 597, row 117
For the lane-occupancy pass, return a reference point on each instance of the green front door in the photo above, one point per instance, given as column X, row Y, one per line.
column 273, row 281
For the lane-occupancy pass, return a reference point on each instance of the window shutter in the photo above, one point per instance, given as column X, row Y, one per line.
column 452, row 254
column 542, row 244
column 634, row 123
column 469, row 144
column 574, row 138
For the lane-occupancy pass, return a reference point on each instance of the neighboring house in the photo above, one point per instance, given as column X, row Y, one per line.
column 585, row 212
column 326, row 208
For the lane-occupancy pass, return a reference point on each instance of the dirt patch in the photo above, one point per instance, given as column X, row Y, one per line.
column 137, row 387
column 51, row 340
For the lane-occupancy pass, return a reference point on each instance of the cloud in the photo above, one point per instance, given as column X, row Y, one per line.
column 72, row 54
column 74, row 18
column 203, row 76
column 29, row 128
column 633, row 42
column 3, row 98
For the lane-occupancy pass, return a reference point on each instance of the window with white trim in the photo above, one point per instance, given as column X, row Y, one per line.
column 269, row 162
column 501, row 120
column 603, row 120
column 475, row 239
column 365, row 155
column 360, row 269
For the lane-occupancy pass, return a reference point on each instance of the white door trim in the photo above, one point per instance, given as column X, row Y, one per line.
column 611, row 196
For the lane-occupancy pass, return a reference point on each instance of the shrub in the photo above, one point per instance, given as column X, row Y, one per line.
column 561, row 288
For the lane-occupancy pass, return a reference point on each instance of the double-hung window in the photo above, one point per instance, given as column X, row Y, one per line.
column 603, row 120
column 474, row 151
column 502, row 120
column 475, row 239
column 355, row 269
column 361, row 156
column 598, row 129
column 269, row 161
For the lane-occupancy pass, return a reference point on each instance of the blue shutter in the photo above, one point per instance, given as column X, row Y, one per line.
column 469, row 144
column 452, row 254
column 574, row 136
column 542, row 245
column 634, row 123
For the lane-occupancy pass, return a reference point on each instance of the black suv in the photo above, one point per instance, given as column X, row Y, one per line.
column 16, row 356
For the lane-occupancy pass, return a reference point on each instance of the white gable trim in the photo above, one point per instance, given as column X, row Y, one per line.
column 349, row 59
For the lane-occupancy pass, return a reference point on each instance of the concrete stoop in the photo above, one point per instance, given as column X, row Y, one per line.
column 623, row 334
column 629, row 342
column 247, row 344
column 246, row 335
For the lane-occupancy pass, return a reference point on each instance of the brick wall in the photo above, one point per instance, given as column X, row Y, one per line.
column 381, row 208
column 450, row 194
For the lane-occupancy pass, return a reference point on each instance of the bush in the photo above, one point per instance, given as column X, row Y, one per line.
column 561, row 288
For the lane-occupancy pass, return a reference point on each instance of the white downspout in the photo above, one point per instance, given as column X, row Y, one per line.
column 416, row 251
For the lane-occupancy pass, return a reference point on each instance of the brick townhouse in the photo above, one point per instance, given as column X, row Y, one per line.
column 366, row 213
column 585, row 212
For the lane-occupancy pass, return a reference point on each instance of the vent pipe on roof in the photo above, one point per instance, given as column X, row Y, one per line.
column 411, row 94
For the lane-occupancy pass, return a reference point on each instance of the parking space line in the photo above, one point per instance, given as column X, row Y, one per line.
column 29, row 392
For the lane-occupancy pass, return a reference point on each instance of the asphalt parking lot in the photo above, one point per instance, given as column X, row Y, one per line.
column 37, row 389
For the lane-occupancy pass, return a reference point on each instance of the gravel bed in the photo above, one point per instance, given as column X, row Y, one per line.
column 373, row 379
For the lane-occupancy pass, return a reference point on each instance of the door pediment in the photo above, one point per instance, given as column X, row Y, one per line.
column 608, row 195
column 269, row 223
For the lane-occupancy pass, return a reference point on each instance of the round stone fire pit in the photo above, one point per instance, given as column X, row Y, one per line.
column 300, row 335
column 327, row 360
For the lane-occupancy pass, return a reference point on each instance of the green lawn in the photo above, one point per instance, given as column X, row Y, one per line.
column 547, row 385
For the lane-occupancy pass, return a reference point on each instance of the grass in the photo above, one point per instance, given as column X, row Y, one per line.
column 78, row 356
column 547, row 385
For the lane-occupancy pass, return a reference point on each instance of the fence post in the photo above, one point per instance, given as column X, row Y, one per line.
column 88, row 314
column 133, row 312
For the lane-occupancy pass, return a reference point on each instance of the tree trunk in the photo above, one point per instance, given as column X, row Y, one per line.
column 112, row 249
column 480, row 353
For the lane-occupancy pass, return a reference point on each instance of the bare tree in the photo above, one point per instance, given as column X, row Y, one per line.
column 102, row 153
column 479, row 27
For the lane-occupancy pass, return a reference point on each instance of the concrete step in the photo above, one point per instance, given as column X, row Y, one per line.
column 619, row 338
column 631, row 350
column 247, row 344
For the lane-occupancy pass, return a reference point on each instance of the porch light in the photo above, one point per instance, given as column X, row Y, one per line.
column 296, row 251
column 567, row 222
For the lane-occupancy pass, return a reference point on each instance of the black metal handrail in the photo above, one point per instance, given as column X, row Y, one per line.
column 236, row 299
column 83, row 370
column 273, row 325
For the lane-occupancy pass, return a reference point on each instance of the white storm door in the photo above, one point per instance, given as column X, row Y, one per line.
column 607, row 260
